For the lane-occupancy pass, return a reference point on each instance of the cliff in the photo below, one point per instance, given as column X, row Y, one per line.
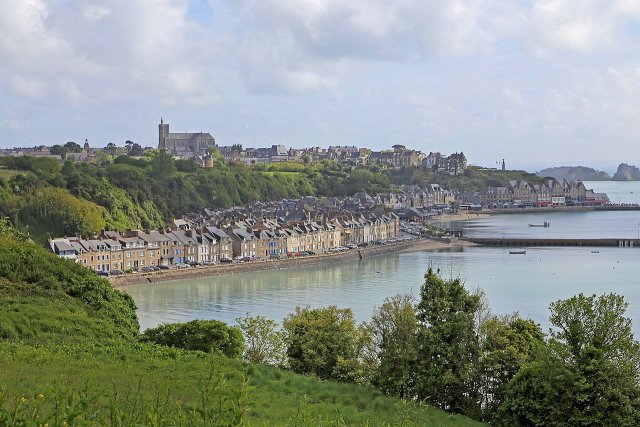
column 574, row 173
column 627, row 172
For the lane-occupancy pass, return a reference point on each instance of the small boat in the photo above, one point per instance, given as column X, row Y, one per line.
column 517, row 252
column 544, row 224
column 595, row 252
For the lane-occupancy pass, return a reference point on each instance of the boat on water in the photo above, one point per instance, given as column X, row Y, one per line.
column 595, row 252
column 517, row 252
column 544, row 224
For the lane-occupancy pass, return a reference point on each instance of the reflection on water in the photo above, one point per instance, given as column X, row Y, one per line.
column 593, row 224
column 524, row 283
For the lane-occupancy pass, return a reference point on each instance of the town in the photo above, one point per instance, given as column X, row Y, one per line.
column 292, row 227
column 302, row 227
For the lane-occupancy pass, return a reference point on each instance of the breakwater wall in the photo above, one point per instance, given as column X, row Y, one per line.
column 526, row 241
column 559, row 209
column 275, row 264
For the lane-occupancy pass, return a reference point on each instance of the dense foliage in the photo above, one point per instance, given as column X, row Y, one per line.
column 147, row 192
column 202, row 335
column 587, row 374
column 324, row 342
column 28, row 271
column 70, row 356
column 447, row 346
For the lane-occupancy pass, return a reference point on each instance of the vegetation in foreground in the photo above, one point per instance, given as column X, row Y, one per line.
column 71, row 355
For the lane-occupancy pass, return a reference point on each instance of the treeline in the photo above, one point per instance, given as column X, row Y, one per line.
column 50, row 199
column 448, row 350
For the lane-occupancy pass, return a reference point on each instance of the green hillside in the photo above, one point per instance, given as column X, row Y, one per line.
column 70, row 354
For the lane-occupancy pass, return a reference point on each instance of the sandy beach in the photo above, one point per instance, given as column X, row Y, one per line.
column 462, row 216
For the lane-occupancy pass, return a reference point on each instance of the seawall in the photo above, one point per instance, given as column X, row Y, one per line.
column 532, row 241
column 225, row 269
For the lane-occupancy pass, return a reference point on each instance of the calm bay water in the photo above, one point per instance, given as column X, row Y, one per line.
column 618, row 191
column 524, row 283
column 592, row 224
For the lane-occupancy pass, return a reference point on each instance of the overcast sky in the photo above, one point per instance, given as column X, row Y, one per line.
column 537, row 82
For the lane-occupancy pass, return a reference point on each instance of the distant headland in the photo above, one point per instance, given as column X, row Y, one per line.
column 625, row 172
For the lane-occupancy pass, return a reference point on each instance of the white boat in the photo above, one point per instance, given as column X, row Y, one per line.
column 544, row 224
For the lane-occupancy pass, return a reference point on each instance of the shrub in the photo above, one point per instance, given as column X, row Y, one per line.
column 202, row 335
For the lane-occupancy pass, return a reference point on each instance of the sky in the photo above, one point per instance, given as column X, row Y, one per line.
column 537, row 82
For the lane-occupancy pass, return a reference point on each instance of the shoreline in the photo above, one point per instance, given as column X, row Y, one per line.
column 420, row 244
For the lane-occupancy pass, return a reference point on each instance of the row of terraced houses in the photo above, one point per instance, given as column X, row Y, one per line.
column 187, row 242
column 550, row 192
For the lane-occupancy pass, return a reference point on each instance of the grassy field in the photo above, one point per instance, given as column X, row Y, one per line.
column 8, row 173
column 70, row 356
column 145, row 383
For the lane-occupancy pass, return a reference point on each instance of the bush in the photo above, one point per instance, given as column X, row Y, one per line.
column 202, row 335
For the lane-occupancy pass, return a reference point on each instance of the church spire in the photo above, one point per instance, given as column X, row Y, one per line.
column 161, row 122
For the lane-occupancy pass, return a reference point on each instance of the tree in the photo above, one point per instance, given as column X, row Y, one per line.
column 588, row 374
column 447, row 345
column 58, row 150
column 163, row 166
column 507, row 343
column 202, row 335
column 73, row 147
column 111, row 149
column 264, row 343
column 324, row 342
column 393, row 330
column 135, row 150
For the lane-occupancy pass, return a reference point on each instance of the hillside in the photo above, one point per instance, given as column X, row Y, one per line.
column 574, row 173
column 70, row 356
column 46, row 199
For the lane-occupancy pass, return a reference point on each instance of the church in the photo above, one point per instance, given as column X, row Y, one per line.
column 183, row 144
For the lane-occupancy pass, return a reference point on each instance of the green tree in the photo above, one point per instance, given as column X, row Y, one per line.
column 264, row 343
column 203, row 335
column 588, row 374
column 73, row 147
column 163, row 166
column 393, row 329
column 507, row 343
column 447, row 345
column 111, row 149
column 58, row 150
column 324, row 342
column 135, row 150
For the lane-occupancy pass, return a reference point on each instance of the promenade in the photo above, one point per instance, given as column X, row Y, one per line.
column 286, row 263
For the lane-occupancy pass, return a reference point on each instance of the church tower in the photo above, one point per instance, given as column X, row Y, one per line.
column 163, row 133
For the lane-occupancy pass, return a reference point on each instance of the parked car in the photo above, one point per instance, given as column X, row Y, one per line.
column 116, row 272
column 225, row 260
column 163, row 267
column 102, row 273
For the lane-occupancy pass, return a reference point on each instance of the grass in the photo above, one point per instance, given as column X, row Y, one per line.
column 8, row 173
column 145, row 381
column 287, row 174
column 69, row 356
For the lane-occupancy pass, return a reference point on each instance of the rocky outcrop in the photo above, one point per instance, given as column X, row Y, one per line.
column 627, row 172
column 574, row 173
